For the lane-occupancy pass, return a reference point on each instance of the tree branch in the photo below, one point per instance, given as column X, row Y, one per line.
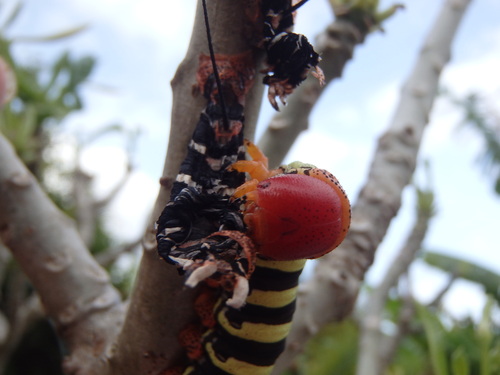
column 110, row 255
column 102, row 203
column 332, row 292
column 85, row 214
column 75, row 292
column 87, row 210
column 160, row 304
column 369, row 357
column 439, row 296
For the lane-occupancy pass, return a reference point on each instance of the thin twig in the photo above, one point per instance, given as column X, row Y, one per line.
column 439, row 296
column 110, row 255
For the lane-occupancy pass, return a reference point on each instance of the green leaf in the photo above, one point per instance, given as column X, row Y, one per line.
column 57, row 68
column 485, row 337
column 467, row 270
column 460, row 362
column 332, row 351
column 52, row 37
column 434, row 332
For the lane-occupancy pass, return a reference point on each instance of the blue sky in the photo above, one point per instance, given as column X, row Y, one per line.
column 139, row 44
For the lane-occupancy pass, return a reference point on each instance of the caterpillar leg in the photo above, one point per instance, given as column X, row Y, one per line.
column 257, row 168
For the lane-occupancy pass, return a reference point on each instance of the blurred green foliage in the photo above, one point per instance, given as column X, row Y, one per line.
column 41, row 104
column 436, row 345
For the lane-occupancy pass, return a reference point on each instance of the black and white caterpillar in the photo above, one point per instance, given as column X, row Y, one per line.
column 290, row 56
column 200, row 230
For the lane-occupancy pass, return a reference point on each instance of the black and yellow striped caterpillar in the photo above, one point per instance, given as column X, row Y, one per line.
column 247, row 240
column 249, row 340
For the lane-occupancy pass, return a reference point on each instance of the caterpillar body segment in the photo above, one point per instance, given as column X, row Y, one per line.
column 250, row 339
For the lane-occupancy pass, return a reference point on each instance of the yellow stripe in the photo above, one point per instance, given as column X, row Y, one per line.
column 282, row 265
column 260, row 332
column 272, row 298
column 235, row 367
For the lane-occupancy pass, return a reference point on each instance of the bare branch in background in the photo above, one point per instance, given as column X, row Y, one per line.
column 102, row 203
column 369, row 358
column 439, row 296
column 75, row 291
column 88, row 209
column 331, row 293
column 85, row 215
column 109, row 256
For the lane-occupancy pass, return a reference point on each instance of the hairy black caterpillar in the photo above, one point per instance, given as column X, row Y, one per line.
column 290, row 56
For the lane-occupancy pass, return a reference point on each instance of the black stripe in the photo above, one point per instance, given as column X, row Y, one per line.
column 208, row 368
column 261, row 354
column 270, row 279
column 196, row 165
column 260, row 314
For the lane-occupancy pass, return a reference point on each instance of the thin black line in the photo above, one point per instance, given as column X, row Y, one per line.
column 225, row 120
column 296, row 6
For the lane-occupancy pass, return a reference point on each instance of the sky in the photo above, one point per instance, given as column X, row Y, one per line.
column 138, row 45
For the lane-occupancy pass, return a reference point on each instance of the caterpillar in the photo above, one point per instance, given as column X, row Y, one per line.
column 200, row 230
column 290, row 56
column 248, row 340
column 247, row 241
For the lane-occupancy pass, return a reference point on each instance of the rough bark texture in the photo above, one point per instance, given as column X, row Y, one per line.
column 331, row 294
